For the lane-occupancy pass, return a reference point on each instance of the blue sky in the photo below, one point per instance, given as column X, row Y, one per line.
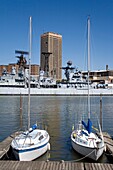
column 66, row 17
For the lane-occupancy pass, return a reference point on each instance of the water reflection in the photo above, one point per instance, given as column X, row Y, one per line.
column 58, row 115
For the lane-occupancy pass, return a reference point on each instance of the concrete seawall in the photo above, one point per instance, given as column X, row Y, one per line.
column 55, row 91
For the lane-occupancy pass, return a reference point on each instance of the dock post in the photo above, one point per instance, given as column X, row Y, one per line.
column 20, row 111
column 101, row 111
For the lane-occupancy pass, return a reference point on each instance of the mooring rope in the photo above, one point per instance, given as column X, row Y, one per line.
column 77, row 160
column 6, row 153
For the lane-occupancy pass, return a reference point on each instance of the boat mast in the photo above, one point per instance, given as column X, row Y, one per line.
column 30, row 41
column 88, row 65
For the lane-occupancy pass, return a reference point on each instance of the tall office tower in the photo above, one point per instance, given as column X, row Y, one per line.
column 51, row 55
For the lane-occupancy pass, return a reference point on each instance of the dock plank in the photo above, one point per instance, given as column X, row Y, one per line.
column 105, row 166
column 109, row 143
column 108, row 166
column 79, row 166
column 51, row 165
column 92, row 166
column 13, row 165
column 61, row 166
column 47, row 167
column 37, row 165
column 23, row 165
column 43, row 165
column 97, row 166
column 88, row 166
column 54, row 165
column 57, row 164
column 5, row 144
column 66, row 164
column 70, row 165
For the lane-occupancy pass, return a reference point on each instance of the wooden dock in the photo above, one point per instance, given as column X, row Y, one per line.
column 109, row 144
column 5, row 145
column 51, row 165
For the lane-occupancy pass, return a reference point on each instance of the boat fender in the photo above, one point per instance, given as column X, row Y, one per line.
column 48, row 146
column 30, row 130
column 74, row 135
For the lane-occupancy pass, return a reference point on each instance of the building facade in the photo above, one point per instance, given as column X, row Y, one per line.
column 101, row 76
column 51, row 55
column 8, row 68
column 35, row 69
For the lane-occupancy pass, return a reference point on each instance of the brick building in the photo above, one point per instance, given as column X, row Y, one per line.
column 34, row 68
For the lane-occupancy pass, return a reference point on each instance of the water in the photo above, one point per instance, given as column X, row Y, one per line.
column 57, row 115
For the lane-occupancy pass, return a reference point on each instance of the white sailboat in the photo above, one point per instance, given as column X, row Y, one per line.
column 83, row 140
column 34, row 142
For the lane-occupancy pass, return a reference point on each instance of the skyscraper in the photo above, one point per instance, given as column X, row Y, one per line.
column 51, row 54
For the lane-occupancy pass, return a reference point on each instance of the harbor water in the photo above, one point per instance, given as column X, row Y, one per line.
column 58, row 115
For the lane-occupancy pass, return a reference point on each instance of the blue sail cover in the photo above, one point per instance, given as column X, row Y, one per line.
column 88, row 126
column 34, row 127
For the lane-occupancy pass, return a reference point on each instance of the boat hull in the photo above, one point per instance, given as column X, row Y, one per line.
column 53, row 91
column 32, row 153
column 92, row 153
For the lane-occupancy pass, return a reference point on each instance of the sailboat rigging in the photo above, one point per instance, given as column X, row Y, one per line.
column 34, row 142
column 83, row 140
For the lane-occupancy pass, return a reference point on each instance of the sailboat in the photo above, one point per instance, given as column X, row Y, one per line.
column 83, row 139
column 34, row 142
